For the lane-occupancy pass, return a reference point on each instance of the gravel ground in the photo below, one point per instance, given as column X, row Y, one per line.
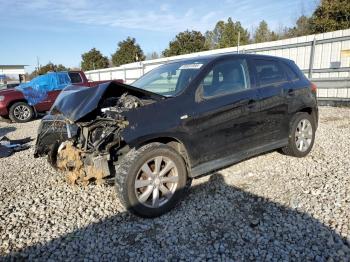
column 271, row 207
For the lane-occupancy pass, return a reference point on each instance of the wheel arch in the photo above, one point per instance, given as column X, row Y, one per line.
column 17, row 101
column 308, row 110
column 311, row 111
column 12, row 102
column 20, row 100
column 174, row 143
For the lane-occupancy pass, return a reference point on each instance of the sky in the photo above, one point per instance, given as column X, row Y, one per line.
column 61, row 30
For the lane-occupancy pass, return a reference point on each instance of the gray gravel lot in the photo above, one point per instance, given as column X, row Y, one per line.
column 270, row 207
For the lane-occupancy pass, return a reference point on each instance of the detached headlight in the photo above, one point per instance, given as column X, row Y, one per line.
column 2, row 98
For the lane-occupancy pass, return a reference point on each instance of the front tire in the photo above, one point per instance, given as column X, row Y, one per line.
column 21, row 112
column 302, row 135
column 151, row 180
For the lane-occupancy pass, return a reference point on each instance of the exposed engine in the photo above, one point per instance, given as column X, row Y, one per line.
column 120, row 104
column 88, row 155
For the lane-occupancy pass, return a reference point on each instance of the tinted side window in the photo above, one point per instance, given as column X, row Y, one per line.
column 269, row 72
column 293, row 76
column 75, row 78
column 225, row 78
column 62, row 80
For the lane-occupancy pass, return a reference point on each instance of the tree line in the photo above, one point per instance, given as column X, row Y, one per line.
column 329, row 15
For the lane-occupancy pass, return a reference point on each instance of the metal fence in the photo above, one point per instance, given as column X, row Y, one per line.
column 324, row 59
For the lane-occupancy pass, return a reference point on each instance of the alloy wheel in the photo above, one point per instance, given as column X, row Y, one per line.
column 303, row 135
column 156, row 182
column 21, row 112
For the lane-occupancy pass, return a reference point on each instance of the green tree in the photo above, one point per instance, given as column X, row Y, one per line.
column 331, row 15
column 301, row 28
column 212, row 38
column 50, row 67
column 151, row 56
column 244, row 35
column 226, row 35
column 128, row 51
column 93, row 59
column 264, row 34
column 229, row 35
column 274, row 36
column 185, row 43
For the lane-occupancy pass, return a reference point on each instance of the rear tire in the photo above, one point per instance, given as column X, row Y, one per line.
column 151, row 180
column 21, row 112
column 301, row 136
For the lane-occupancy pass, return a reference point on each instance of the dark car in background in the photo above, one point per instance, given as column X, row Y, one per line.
column 37, row 96
column 180, row 121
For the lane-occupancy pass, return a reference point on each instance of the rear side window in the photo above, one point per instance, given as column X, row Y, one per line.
column 226, row 77
column 269, row 72
column 292, row 75
column 75, row 78
column 62, row 80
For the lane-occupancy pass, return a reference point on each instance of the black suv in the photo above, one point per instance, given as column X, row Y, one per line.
column 179, row 121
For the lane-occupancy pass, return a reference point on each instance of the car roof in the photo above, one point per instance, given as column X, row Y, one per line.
column 213, row 57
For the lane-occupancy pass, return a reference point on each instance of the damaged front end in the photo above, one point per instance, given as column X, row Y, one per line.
column 83, row 134
column 88, row 156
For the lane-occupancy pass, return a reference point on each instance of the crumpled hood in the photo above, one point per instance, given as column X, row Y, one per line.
column 75, row 102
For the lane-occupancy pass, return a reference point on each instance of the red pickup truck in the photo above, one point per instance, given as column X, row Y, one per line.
column 14, row 105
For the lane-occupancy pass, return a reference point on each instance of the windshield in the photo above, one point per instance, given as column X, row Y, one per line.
column 170, row 79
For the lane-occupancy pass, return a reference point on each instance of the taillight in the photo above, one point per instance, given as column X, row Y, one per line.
column 313, row 88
